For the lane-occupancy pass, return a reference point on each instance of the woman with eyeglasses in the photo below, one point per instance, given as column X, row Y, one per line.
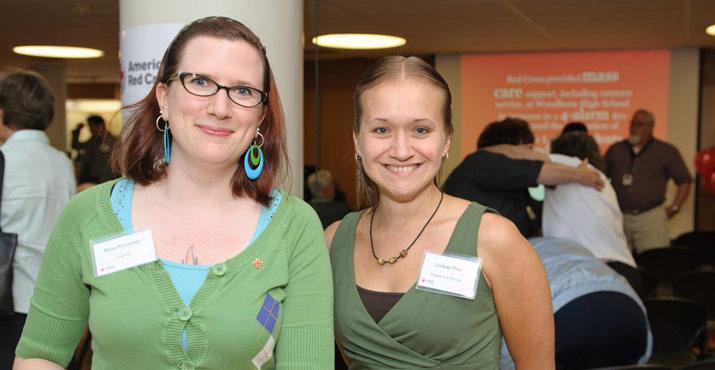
column 194, row 260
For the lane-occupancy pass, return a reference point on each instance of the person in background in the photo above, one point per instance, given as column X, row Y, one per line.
column 504, row 166
column 322, row 187
column 94, row 154
column 574, row 126
column 639, row 168
column 599, row 319
column 395, row 305
column 194, row 260
column 322, row 190
column 584, row 215
column 38, row 182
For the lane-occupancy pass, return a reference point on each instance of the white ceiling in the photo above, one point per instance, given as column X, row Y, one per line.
column 430, row 26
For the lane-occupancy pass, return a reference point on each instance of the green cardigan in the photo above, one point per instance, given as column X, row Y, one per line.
column 136, row 316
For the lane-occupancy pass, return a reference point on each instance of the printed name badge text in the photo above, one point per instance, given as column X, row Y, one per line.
column 450, row 274
column 123, row 252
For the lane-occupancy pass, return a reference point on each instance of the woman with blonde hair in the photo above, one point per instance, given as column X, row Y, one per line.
column 424, row 280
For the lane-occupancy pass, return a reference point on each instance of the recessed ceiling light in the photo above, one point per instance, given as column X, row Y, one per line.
column 710, row 30
column 358, row 41
column 57, row 51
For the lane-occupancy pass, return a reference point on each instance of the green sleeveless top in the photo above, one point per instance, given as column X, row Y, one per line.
column 423, row 330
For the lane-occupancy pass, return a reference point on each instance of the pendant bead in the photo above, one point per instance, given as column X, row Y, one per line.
column 403, row 253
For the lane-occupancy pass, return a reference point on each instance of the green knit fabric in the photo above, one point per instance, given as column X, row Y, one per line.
column 136, row 316
column 424, row 330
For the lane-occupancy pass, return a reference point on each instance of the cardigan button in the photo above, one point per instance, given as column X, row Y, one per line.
column 186, row 365
column 219, row 269
column 184, row 313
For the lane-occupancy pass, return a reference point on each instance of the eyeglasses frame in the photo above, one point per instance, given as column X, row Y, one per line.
column 181, row 75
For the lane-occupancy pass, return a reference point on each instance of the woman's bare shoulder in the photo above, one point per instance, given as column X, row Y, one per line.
column 330, row 232
column 497, row 234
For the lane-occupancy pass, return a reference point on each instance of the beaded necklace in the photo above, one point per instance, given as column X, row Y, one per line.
column 403, row 252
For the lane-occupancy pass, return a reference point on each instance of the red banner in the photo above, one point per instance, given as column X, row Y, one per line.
column 549, row 90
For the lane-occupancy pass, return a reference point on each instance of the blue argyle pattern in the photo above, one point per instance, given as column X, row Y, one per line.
column 268, row 314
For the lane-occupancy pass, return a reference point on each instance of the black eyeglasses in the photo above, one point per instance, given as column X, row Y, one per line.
column 201, row 85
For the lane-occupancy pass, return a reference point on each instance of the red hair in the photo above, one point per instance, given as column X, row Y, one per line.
column 139, row 151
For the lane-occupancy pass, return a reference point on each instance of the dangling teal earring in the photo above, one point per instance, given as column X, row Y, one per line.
column 167, row 146
column 256, row 155
column 167, row 140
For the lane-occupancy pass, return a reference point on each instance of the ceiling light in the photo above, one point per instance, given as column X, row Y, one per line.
column 358, row 41
column 57, row 51
column 710, row 30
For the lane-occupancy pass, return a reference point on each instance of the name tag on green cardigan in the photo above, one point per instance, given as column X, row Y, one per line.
column 123, row 252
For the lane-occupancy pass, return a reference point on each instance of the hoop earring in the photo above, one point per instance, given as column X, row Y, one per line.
column 167, row 140
column 256, row 155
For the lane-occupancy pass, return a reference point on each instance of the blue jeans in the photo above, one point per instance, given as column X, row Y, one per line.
column 600, row 329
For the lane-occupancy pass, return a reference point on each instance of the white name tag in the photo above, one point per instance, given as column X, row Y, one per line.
column 123, row 252
column 450, row 274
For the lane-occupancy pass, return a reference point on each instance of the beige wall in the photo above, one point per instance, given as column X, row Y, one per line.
column 705, row 201
column 682, row 128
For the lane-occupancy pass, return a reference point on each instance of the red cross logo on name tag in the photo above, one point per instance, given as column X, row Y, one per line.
column 257, row 263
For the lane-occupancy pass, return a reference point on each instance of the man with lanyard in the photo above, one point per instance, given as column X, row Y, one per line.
column 639, row 168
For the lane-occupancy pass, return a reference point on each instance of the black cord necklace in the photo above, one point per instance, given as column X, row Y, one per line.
column 403, row 252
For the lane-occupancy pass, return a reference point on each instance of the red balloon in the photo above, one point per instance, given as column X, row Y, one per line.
column 705, row 161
